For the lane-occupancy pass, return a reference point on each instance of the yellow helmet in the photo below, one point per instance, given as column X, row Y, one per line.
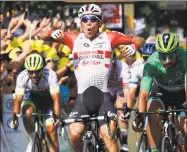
column 34, row 62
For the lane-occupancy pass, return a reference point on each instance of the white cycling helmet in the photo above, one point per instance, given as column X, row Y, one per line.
column 128, row 50
column 90, row 9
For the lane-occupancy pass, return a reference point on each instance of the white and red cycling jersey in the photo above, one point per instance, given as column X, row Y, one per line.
column 93, row 58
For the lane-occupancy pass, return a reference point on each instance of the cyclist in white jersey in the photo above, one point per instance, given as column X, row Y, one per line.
column 134, row 67
column 38, row 88
column 93, row 53
column 136, row 76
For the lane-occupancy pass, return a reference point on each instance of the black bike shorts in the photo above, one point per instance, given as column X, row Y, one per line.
column 167, row 98
column 94, row 102
column 42, row 102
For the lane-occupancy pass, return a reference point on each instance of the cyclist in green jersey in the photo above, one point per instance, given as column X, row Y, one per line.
column 164, row 80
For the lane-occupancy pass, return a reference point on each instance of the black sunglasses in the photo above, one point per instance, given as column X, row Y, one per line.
column 91, row 18
column 37, row 72
column 164, row 57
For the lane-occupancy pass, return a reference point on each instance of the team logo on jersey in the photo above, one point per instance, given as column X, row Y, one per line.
column 98, row 45
column 179, row 74
column 86, row 45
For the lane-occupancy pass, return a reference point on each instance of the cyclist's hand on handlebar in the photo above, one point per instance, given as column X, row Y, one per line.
column 137, row 125
column 124, row 117
column 14, row 123
column 57, row 121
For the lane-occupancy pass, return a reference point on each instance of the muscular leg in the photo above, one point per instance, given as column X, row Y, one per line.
column 28, row 109
column 153, row 128
column 75, row 132
column 52, row 136
column 110, row 143
column 123, row 126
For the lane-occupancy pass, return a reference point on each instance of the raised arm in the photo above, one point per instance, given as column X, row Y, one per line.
column 117, row 38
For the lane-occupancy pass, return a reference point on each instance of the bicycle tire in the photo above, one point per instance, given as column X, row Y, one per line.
column 87, row 147
column 176, row 147
column 143, row 144
column 166, row 145
column 36, row 146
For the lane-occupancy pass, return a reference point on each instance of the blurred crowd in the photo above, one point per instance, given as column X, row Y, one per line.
column 19, row 36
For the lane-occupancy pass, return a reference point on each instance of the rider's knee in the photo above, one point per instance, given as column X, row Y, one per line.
column 51, row 129
column 75, row 132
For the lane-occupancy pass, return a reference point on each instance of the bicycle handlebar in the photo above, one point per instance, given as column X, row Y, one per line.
column 68, row 121
column 156, row 112
column 33, row 114
column 160, row 112
column 87, row 118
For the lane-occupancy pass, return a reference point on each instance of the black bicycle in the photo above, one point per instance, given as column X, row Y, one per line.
column 172, row 139
column 92, row 142
column 39, row 138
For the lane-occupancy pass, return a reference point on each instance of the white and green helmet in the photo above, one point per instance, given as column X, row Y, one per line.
column 34, row 62
column 167, row 42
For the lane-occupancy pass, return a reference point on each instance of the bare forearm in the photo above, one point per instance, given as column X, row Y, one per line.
column 57, row 108
column 57, row 103
column 17, row 107
column 36, row 31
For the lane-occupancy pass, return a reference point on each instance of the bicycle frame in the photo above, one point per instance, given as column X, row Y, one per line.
column 89, row 131
column 38, row 123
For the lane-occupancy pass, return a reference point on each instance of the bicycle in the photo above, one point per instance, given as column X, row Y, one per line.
column 39, row 138
column 143, row 144
column 92, row 142
column 170, row 141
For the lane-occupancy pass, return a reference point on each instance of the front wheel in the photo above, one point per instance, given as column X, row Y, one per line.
column 36, row 146
column 166, row 145
column 143, row 142
column 87, row 146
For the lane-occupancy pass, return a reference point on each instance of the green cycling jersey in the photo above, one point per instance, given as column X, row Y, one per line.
column 173, row 79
